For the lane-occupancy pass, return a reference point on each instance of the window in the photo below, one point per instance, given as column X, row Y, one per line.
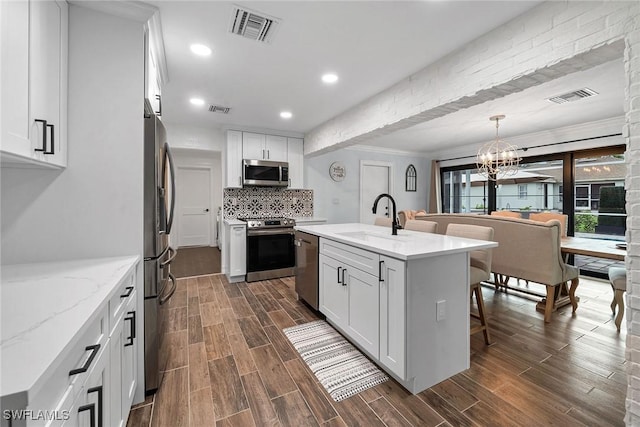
column 522, row 191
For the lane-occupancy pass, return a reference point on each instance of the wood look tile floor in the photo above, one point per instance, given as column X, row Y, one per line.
column 231, row 365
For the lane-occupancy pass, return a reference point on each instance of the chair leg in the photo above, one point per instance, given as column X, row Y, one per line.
column 477, row 291
column 572, row 293
column 619, row 299
column 548, row 308
column 613, row 301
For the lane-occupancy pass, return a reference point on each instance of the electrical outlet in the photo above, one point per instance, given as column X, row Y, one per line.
column 441, row 310
column 234, row 201
column 295, row 200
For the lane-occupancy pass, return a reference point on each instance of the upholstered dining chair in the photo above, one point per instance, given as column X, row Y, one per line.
column 618, row 280
column 508, row 214
column 385, row 222
column 479, row 269
column 548, row 216
column 419, row 225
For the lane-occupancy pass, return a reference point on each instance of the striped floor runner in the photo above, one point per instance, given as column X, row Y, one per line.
column 338, row 365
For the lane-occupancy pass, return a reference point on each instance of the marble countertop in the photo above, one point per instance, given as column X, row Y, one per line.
column 44, row 307
column 234, row 222
column 406, row 245
column 302, row 219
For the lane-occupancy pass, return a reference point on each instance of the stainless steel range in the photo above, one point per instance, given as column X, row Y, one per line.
column 270, row 248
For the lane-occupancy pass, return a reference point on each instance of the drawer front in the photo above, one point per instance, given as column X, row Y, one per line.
column 62, row 386
column 355, row 257
column 117, row 304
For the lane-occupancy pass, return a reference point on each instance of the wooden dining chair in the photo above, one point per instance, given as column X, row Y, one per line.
column 618, row 280
column 479, row 270
column 419, row 225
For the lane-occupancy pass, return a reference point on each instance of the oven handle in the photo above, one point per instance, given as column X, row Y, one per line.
column 270, row 232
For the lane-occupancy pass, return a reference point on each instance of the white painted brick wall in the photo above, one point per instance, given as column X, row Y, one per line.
column 554, row 39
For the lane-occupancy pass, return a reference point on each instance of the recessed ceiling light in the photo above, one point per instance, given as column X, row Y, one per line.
column 286, row 114
column 200, row 49
column 330, row 78
column 197, row 101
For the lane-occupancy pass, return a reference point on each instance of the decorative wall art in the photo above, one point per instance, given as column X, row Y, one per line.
column 410, row 178
column 337, row 171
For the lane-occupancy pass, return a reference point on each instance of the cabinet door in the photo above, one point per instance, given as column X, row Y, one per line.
column 295, row 157
column 364, row 297
column 118, row 339
column 94, row 398
column 233, row 163
column 47, row 79
column 334, row 295
column 129, row 356
column 14, row 46
column 393, row 315
column 276, row 148
column 238, row 250
column 253, row 146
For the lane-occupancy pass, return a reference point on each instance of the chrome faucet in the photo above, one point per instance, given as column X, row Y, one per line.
column 394, row 223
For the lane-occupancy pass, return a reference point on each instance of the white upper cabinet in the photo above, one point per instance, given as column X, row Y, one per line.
column 295, row 157
column 34, row 44
column 233, row 163
column 257, row 146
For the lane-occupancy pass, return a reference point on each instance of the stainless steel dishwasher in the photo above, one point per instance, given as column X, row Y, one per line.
column 307, row 267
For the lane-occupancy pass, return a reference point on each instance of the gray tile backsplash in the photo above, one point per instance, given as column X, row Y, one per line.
column 265, row 202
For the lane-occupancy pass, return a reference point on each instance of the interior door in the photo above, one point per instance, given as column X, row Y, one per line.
column 375, row 179
column 194, row 197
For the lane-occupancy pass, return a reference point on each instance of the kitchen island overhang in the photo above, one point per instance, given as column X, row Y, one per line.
column 403, row 300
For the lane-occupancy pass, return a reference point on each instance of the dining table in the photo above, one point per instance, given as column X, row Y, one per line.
column 599, row 248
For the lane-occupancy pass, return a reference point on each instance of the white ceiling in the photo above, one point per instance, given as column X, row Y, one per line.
column 371, row 45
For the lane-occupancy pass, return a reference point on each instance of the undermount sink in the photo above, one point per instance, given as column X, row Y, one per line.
column 369, row 236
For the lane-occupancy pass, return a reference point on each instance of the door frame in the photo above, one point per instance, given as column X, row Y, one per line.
column 179, row 204
column 363, row 164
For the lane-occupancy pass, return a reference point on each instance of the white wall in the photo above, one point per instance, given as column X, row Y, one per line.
column 200, row 159
column 197, row 138
column 339, row 202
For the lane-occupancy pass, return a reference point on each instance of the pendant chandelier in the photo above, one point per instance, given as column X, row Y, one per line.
column 497, row 159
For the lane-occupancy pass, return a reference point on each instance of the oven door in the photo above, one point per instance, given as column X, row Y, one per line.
column 269, row 250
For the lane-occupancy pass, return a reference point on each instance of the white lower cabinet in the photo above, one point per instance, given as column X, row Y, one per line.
column 236, row 249
column 393, row 315
column 358, row 301
column 123, row 365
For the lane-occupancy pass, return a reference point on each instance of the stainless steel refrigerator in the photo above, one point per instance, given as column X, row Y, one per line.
column 159, row 204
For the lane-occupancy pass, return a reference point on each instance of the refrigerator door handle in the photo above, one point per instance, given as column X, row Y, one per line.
column 172, row 255
column 164, row 299
column 168, row 160
column 153, row 258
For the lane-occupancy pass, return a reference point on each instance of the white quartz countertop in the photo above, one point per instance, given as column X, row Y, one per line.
column 303, row 219
column 406, row 245
column 234, row 222
column 44, row 306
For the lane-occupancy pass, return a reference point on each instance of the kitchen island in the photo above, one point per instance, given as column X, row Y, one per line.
column 403, row 300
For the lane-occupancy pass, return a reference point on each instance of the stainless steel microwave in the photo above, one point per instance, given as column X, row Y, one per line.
column 265, row 173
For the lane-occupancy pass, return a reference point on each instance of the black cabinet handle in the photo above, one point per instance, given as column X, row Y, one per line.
column 44, row 135
column 52, row 129
column 94, row 350
column 344, row 270
column 98, row 390
column 339, row 268
column 159, row 98
column 129, row 290
column 132, row 326
column 92, row 412
column 380, row 278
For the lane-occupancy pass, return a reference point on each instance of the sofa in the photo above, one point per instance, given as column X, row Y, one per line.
column 408, row 214
column 528, row 250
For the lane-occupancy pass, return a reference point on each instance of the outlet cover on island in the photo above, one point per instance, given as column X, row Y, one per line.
column 441, row 310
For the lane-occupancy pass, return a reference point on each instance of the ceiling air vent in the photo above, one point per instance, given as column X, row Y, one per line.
column 219, row 109
column 253, row 25
column 573, row 96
